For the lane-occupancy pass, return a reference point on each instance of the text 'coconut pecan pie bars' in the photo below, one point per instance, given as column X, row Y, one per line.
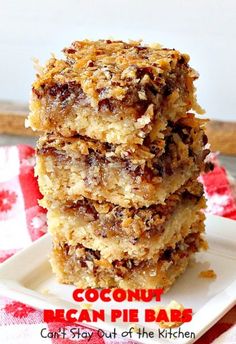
column 118, row 163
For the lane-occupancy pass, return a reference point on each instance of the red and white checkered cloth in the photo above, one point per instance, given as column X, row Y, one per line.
column 23, row 221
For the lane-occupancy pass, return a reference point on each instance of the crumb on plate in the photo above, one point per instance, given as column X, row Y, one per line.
column 207, row 274
column 169, row 324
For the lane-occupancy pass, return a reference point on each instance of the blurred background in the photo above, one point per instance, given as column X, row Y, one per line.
column 205, row 29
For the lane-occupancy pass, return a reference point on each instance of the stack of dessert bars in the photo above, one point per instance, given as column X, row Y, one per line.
column 118, row 162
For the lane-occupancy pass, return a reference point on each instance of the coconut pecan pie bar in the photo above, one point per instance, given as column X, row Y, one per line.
column 118, row 161
column 85, row 267
column 133, row 175
column 119, row 233
column 113, row 91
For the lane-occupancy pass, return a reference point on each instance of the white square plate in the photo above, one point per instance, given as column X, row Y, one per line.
column 27, row 275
